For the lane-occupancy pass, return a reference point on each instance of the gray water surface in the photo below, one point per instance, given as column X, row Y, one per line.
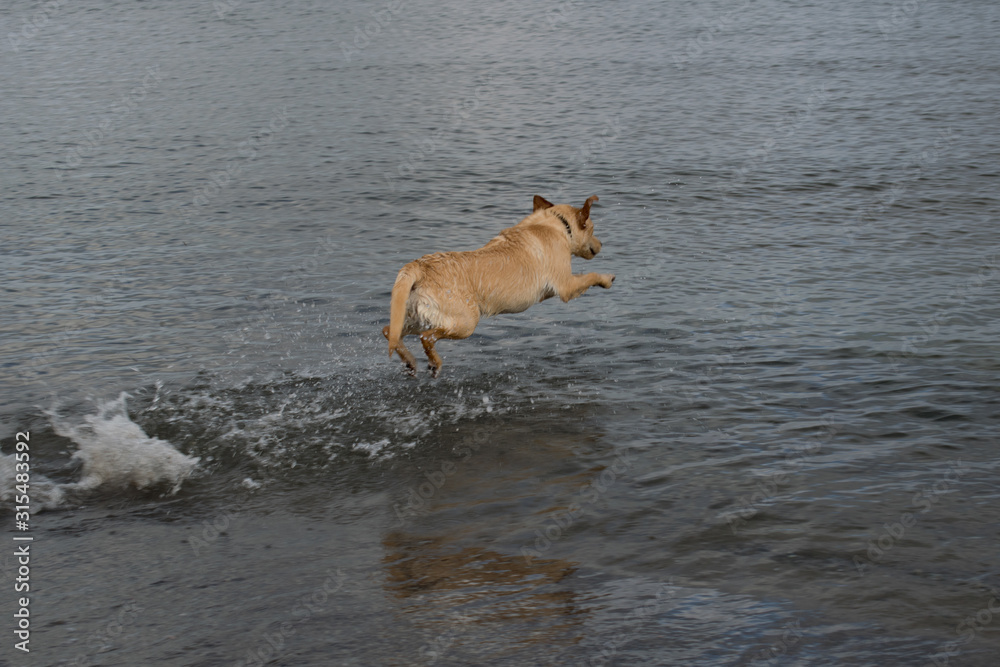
column 773, row 441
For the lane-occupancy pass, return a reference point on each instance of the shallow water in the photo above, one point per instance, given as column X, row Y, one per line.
column 773, row 441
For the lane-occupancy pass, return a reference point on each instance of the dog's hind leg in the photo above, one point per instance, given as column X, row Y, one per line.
column 404, row 354
column 431, row 336
column 458, row 320
column 428, row 338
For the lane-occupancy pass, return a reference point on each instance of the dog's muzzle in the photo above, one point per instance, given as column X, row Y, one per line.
column 594, row 247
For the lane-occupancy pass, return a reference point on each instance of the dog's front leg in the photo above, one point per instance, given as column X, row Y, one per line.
column 576, row 284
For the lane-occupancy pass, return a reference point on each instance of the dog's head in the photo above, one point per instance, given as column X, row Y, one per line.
column 577, row 223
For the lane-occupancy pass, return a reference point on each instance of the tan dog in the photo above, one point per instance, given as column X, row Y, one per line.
column 443, row 295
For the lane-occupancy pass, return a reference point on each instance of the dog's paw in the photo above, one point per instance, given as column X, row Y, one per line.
column 607, row 279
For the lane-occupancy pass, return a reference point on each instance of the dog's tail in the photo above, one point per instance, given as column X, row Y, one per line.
column 407, row 276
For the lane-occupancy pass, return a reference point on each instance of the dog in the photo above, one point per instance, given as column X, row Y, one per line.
column 443, row 295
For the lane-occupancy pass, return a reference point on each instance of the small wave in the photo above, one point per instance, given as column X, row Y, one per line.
column 315, row 422
column 291, row 424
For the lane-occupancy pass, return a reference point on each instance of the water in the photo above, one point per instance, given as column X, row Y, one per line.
column 773, row 441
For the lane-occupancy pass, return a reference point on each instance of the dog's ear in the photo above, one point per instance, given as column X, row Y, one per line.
column 585, row 211
column 540, row 203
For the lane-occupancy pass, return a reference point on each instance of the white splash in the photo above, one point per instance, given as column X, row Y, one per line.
column 44, row 493
column 116, row 452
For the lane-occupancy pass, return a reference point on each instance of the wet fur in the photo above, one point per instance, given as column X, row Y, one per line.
column 443, row 295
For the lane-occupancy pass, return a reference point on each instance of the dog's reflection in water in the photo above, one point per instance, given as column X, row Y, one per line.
column 476, row 597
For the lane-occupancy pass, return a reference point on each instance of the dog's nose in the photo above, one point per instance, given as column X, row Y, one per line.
column 595, row 246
